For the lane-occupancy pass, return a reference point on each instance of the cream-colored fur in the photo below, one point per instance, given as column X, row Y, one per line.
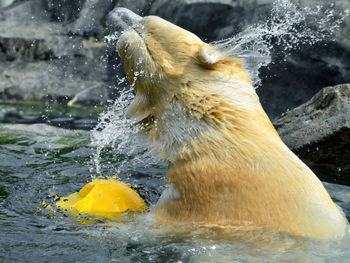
column 227, row 164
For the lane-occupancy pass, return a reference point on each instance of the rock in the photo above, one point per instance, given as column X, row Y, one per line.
column 140, row 7
column 40, row 62
column 83, row 118
column 63, row 122
column 85, row 124
column 6, row 3
column 44, row 133
column 210, row 20
column 286, row 83
column 91, row 19
column 4, row 111
column 319, row 130
column 63, row 10
column 15, row 117
column 50, row 82
column 54, row 51
column 11, row 117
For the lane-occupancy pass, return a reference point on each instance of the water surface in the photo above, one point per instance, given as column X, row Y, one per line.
column 38, row 161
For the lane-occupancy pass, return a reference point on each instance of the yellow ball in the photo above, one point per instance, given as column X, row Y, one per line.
column 102, row 198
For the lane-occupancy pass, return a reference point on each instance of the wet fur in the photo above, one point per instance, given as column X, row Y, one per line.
column 227, row 164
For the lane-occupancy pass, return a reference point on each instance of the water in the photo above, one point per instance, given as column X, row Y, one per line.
column 288, row 27
column 38, row 161
column 116, row 132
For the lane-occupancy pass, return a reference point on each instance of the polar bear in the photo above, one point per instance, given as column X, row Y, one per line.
column 227, row 165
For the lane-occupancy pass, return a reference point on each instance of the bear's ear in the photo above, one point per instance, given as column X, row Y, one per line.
column 208, row 56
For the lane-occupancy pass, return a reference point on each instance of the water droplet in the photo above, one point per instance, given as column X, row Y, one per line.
column 289, row 26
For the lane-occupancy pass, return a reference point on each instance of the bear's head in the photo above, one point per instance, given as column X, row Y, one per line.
column 186, row 90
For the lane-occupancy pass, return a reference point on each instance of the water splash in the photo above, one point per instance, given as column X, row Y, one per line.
column 115, row 132
column 288, row 27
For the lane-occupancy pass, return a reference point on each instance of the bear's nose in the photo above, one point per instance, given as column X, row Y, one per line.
column 120, row 19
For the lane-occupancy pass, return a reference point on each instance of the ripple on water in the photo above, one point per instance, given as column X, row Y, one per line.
column 30, row 231
column 38, row 161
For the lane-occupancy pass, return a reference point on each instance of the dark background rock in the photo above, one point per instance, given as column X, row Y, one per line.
column 54, row 50
column 63, row 10
column 319, row 130
column 288, row 83
column 41, row 60
column 91, row 19
column 82, row 118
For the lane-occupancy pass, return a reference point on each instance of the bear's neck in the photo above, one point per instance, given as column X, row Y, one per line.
column 247, row 153
column 238, row 138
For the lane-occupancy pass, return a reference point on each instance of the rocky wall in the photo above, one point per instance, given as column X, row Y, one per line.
column 54, row 51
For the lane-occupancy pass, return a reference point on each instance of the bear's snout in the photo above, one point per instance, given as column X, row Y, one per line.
column 121, row 19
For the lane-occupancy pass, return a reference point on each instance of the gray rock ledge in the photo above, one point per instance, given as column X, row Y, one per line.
column 319, row 130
